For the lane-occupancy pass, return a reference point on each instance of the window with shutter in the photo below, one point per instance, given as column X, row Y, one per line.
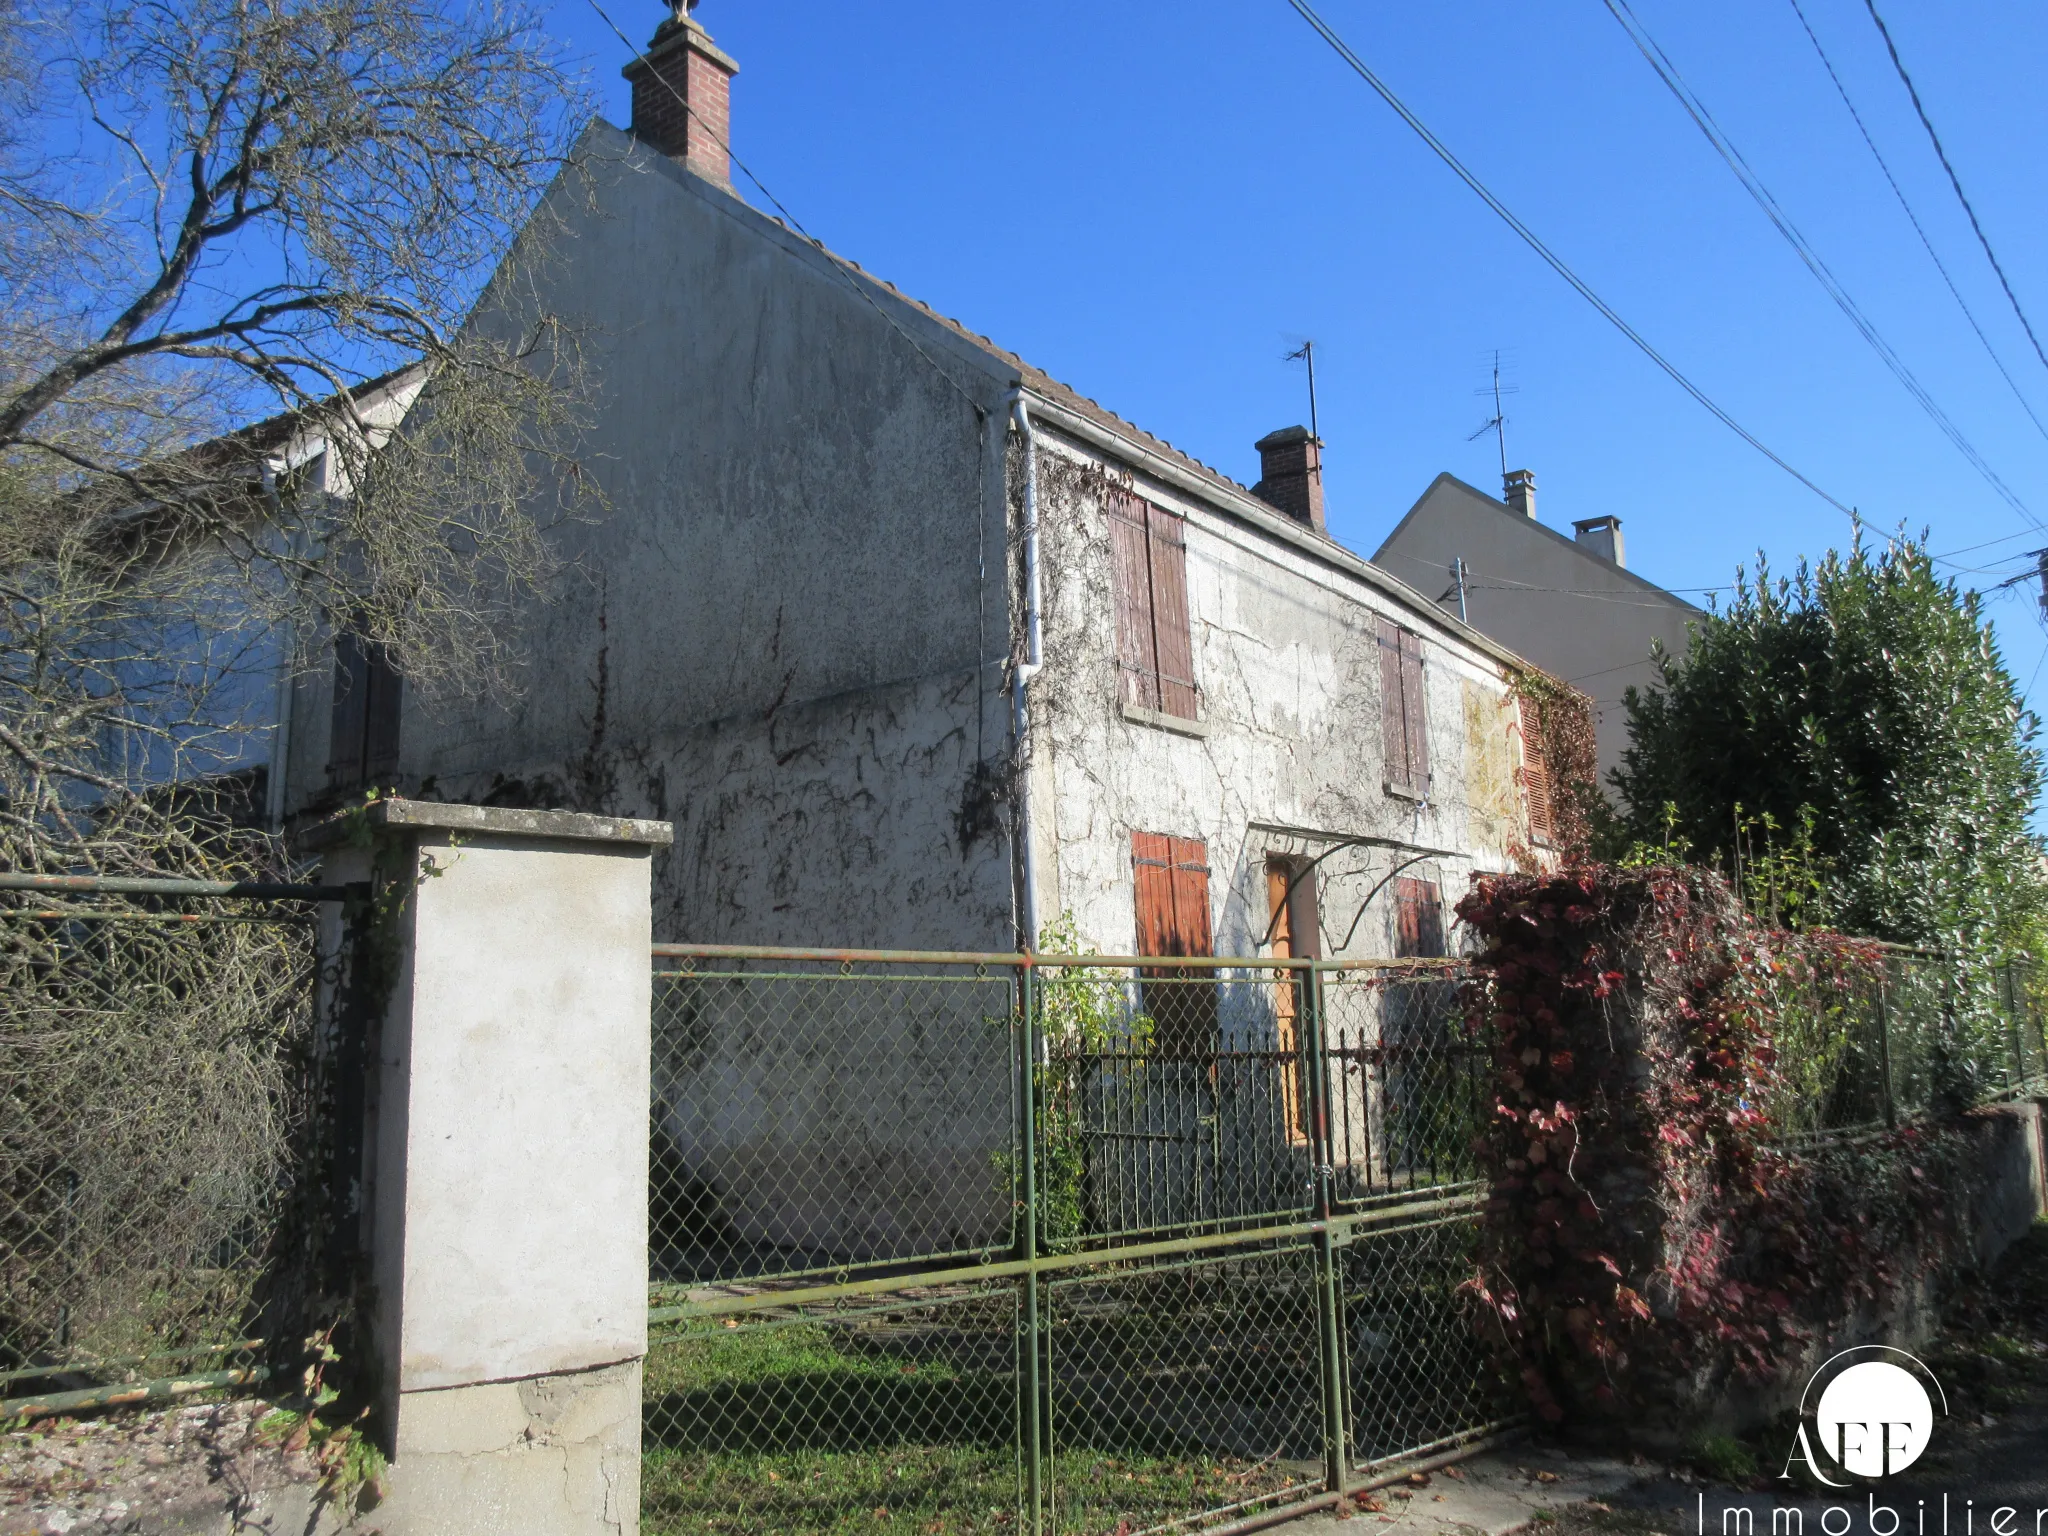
column 1535, row 778
column 1418, row 919
column 1136, row 651
column 1154, row 634
column 368, row 696
column 1172, row 879
column 1291, row 901
column 1404, row 723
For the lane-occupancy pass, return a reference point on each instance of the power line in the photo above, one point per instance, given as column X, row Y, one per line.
column 789, row 218
column 1914, row 219
column 2006, row 538
column 1555, row 262
column 1696, row 109
column 1954, row 180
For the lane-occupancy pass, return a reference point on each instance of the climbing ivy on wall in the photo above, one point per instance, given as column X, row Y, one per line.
column 1649, row 1238
column 1558, row 722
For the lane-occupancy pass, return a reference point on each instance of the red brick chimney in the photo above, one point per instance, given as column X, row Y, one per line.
column 682, row 61
column 1291, row 475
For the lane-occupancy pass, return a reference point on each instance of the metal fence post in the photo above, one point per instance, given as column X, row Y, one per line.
column 1329, row 1310
column 1884, row 1046
column 1031, row 1412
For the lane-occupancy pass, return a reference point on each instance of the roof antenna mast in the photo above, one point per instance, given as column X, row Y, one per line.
column 1306, row 352
column 1497, row 423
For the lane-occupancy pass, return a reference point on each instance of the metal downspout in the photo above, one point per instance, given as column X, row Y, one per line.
column 1031, row 1386
column 1034, row 661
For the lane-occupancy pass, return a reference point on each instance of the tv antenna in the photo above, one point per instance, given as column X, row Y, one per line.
column 1306, row 353
column 1497, row 423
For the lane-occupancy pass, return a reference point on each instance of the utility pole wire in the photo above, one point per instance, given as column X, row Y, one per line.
column 1954, row 180
column 1914, row 219
column 1555, row 262
column 1667, row 71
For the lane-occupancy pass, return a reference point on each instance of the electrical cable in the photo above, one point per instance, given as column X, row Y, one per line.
column 1696, row 109
column 1914, row 219
column 1954, row 180
column 2005, row 538
column 2032, row 680
column 1556, row 263
column 790, row 219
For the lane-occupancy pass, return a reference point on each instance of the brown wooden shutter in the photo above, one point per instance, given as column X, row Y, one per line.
column 363, row 736
column 1418, row 918
column 1393, row 718
column 381, row 710
column 1535, row 779
column 1190, row 897
column 1415, row 717
column 1152, row 863
column 345, row 764
column 1173, row 919
column 1172, row 629
column 1136, row 651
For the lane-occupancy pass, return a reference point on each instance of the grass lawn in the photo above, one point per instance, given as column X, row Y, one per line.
column 898, row 1425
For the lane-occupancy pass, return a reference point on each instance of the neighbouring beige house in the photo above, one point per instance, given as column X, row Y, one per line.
column 1571, row 605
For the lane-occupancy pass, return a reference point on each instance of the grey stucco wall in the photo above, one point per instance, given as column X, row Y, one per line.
column 1576, row 615
column 784, row 630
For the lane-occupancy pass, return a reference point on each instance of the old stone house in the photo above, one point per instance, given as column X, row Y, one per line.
column 917, row 647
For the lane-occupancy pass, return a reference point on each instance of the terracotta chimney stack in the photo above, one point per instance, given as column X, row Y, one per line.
column 1291, row 475
column 682, row 62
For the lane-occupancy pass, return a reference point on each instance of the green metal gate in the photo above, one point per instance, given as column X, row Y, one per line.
column 987, row 1243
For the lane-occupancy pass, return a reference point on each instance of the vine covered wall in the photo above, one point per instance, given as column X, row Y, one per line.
column 1653, row 1239
column 1559, row 721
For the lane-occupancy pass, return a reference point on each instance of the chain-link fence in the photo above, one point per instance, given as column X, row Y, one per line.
column 155, row 1095
column 1900, row 1033
column 952, row 1243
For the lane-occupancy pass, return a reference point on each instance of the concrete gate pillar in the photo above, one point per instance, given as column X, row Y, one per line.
column 505, row 1162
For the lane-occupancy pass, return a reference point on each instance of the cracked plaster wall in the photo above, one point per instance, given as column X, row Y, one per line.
column 785, row 631
column 1286, row 657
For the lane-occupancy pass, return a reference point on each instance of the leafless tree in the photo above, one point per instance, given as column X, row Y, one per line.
column 222, row 212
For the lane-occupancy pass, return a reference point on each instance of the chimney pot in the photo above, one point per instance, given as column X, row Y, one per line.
column 682, row 62
column 1602, row 535
column 1518, row 490
column 1291, row 475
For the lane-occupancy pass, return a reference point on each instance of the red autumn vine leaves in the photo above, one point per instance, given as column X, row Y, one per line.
column 1644, row 1233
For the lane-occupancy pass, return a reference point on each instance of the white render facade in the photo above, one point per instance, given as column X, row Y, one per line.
column 795, row 633
column 1288, row 757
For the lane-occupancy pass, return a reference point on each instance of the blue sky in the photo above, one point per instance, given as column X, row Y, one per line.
column 1154, row 202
